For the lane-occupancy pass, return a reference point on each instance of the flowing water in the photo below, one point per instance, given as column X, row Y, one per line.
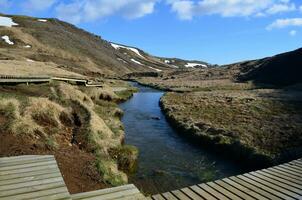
column 167, row 161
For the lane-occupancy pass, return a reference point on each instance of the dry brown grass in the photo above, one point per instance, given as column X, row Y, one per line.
column 26, row 68
column 46, row 118
column 71, row 93
column 266, row 120
column 104, row 93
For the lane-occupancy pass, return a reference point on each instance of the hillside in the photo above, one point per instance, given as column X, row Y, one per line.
column 281, row 70
column 28, row 41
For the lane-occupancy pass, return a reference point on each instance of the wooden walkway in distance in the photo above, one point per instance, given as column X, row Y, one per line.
column 31, row 177
column 46, row 79
column 280, row 182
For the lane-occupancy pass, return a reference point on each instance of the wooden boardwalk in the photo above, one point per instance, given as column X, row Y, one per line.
column 280, row 182
column 4, row 79
column 31, row 177
column 127, row 192
column 38, row 177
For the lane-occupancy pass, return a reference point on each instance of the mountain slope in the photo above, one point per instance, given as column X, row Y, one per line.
column 70, row 48
column 283, row 69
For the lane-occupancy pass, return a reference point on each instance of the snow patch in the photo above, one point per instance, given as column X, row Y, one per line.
column 192, row 65
column 174, row 66
column 8, row 22
column 135, row 61
column 7, row 40
column 27, row 46
column 167, row 61
column 158, row 70
column 116, row 46
column 42, row 20
column 29, row 60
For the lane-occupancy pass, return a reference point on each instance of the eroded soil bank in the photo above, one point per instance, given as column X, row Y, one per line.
column 79, row 125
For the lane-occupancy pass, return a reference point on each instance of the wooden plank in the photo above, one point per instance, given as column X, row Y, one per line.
column 254, row 188
column 103, row 191
column 169, row 196
column 290, row 169
column 180, row 195
column 190, row 193
column 133, row 197
column 297, row 174
column 16, row 157
column 264, row 187
column 295, row 167
column 21, row 162
column 56, row 196
column 39, row 194
column 281, row 180
column 30, row 178
column 213, row 192
column 292, row 176
column 283, row 176
column 297, row 162
column 158, row 197
column 32, row 189
column 28, row 165
column 234, row 190
column 26, row 170
column 24, row 158
column 202, row 193
column 223, row 191
column 29, row 174
column 115, row 195
column 275, row 185
column 30, row 184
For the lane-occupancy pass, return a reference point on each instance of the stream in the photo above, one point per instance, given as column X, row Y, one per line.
column 167, row 161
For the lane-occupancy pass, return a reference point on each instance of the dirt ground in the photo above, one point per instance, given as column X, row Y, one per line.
column 78, row 179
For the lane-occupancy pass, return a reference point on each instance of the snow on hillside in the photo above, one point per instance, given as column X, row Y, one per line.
column 7, row 40
column 192, row 65
column 158, row 70
column 6, row 21
column 42, row 20
column 116, row 46
column 135, row 61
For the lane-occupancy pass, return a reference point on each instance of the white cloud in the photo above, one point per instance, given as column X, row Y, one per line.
column 293, row 33
column 37, row 5
column 187, row 9
column 279, row 8
column 184, row 9
column 282, row 23
column 84, row 11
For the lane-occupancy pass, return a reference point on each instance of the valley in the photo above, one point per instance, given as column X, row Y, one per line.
column 160, row 123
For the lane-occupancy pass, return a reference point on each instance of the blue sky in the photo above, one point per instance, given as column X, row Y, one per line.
column 216, row 31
